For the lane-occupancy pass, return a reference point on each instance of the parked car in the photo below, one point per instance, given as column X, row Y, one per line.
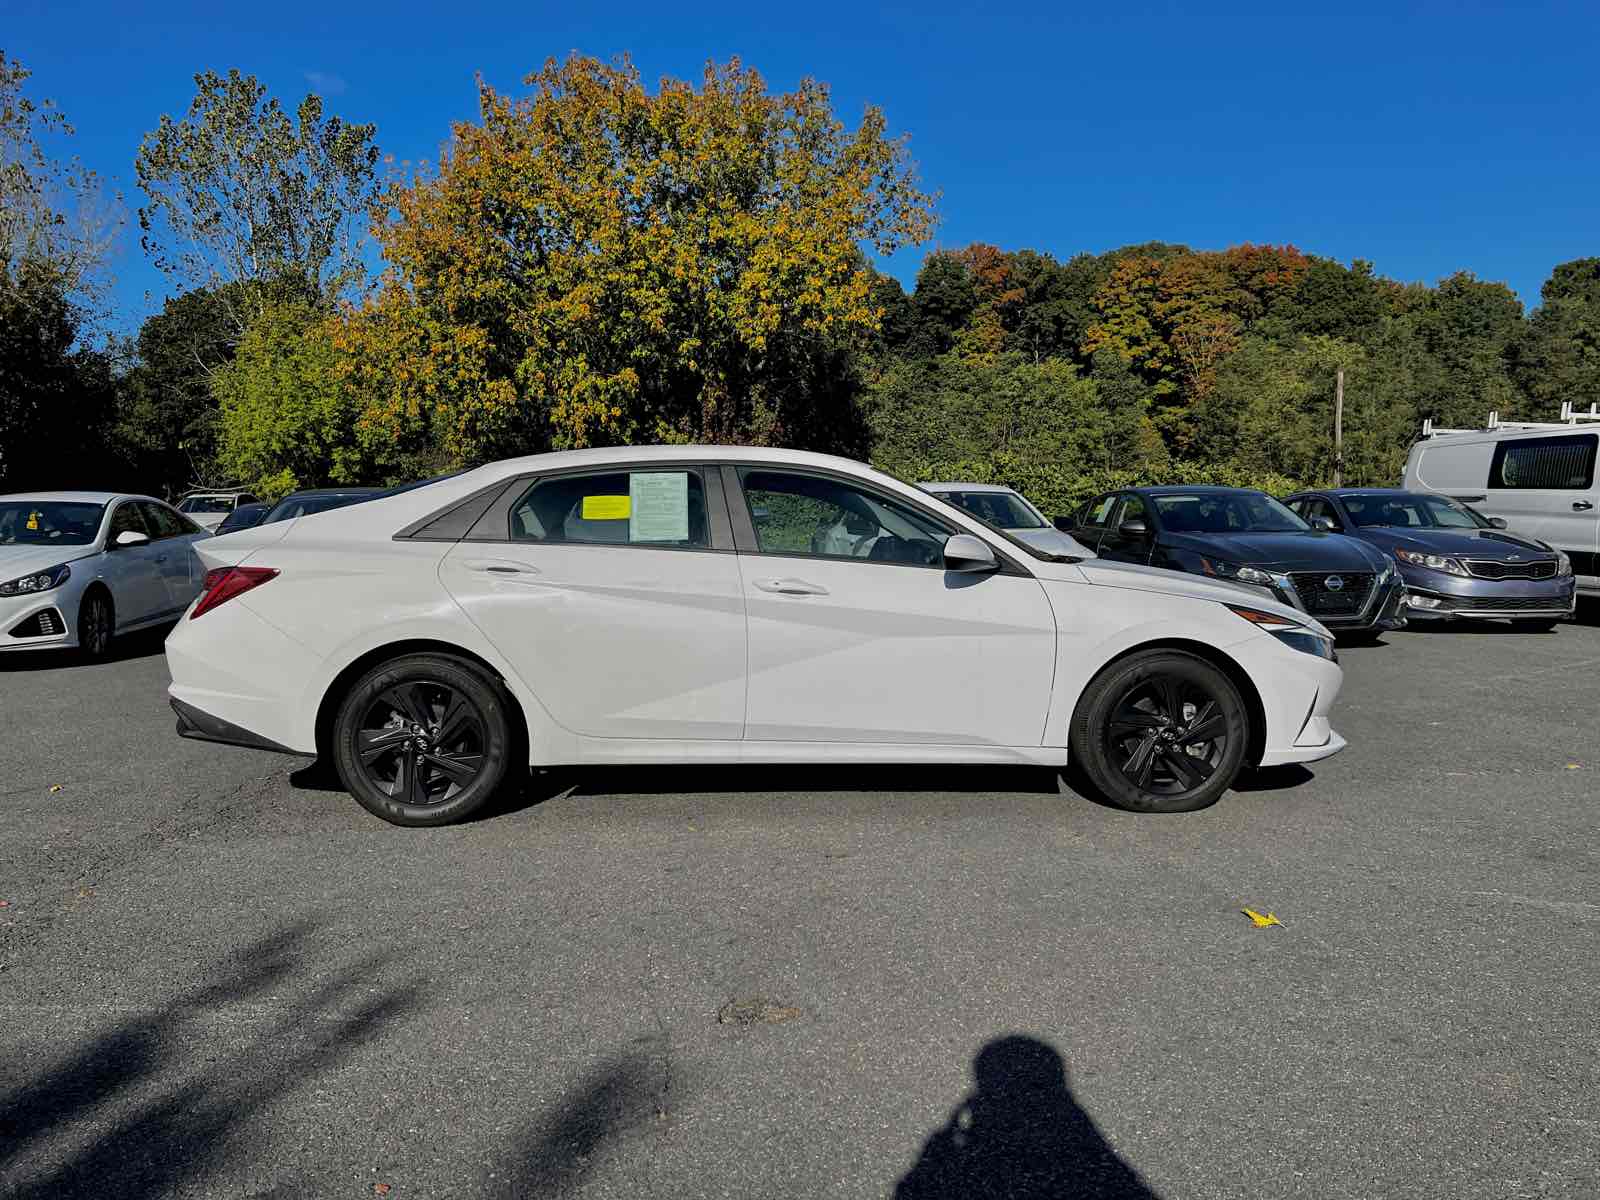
column 315, row 500
column 246, row 516
column 683, row 604
column 207, row 509
column 1245, row 536
column 79, row 568
column 1009, row 510
column 1538, row 478
column 1455, row 562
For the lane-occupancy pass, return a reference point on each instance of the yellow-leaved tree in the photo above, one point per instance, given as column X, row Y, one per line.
column 599, row 263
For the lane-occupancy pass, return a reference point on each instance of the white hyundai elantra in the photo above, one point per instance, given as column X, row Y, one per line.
column 696, row 604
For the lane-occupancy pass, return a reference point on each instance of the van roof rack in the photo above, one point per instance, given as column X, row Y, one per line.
column 1570, row 416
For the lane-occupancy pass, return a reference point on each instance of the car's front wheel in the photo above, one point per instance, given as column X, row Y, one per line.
column 1161, row 731
column 425, row 739
column 97, row 622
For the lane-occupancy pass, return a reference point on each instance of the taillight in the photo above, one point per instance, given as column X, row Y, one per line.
column 224, row 583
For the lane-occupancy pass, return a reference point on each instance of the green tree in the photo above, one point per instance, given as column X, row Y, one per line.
column 239, row 192
column 1558, row 358
column 287, row 419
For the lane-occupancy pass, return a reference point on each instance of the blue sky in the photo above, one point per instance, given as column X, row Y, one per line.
column 1425, row 137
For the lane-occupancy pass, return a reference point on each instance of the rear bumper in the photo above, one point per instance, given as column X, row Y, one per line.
column 203, row 727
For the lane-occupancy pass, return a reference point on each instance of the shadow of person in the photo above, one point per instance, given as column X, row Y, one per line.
column 1022, row 1136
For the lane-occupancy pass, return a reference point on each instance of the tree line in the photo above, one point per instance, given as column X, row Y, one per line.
column 598, row 261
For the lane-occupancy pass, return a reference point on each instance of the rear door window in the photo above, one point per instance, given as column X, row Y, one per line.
column 1563, row 463
column 660, row 508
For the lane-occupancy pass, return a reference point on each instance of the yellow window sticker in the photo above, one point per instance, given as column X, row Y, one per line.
column 33, row 521
column 606, row 508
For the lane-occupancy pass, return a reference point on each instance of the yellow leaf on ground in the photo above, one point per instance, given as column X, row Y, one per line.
column 1261, row 922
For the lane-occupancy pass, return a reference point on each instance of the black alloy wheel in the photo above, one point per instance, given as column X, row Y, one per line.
column 425, row 739
column 1161, row 731
column 96, row 623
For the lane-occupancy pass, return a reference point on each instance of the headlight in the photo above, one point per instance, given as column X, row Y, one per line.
column 1563, row 564
column 39, row 581
column 1228, row 570
column 1290, row 633
column 1434, row 562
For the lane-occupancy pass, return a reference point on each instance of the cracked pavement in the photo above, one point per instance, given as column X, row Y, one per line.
column 218, row 977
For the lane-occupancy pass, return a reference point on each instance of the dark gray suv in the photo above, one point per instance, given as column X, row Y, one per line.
column 1247, row 537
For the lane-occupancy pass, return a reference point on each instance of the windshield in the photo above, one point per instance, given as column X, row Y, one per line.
column 1226, row 512
column 299, row 506
column 48, row 523
column 1412, row 512
column 1003, row 510
column 206, row 504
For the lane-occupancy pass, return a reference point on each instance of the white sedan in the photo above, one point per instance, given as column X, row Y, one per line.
column 694, row 604
column 78, row 568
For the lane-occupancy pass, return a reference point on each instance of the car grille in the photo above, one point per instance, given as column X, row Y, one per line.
column 1487, row 569
column 1506, row 604
column 1321, row 600
column 42, row 624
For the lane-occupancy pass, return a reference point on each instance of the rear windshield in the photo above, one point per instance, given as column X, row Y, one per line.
column 299, row 506
column 206, row 504
column 48, row 523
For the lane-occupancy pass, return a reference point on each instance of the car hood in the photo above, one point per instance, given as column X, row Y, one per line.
column 16, row 561
column 1106, row 573
column 1282, row 551
column 1052, row 541
column 1465, row 543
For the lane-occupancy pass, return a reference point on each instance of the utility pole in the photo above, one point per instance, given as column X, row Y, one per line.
column 1338, row 430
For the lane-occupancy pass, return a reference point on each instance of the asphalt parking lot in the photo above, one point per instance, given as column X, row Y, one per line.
column 220, row 978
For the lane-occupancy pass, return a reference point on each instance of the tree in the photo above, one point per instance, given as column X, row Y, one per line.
column 1558, row 358
column 167, row 416
column 241, row 193
column 598, row 263
column 54, row 215
column 287, row 421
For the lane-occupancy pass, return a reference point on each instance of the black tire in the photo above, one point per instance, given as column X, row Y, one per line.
column 425, row 739
column 97, row 623
column 1535, row 624
column 1129, row 732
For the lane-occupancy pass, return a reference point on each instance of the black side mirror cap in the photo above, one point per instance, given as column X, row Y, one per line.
column 1064, row 524
column 1134, row 528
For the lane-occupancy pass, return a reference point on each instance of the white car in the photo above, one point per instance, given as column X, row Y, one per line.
column 210, row 509
column 78, row 568
column 1007, row 509
column 689, row 604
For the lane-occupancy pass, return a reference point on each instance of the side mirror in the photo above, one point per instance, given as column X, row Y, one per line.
column 1324, row 523
column 968, row 554
column 1498, row 522
column 1065, row 524
column 1134, row 527
column 131, row 537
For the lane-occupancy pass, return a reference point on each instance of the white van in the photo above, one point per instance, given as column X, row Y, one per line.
column 1539, row 478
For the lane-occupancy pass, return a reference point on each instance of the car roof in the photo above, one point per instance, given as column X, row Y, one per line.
column 78, row 497
column 1366, row 491
column 965, row 487
column 1207, row 489
column 331, row 491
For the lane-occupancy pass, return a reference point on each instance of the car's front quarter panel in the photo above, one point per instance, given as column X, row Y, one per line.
column 1098, row 624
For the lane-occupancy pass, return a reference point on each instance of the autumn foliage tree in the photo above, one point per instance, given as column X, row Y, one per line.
column 597, row 263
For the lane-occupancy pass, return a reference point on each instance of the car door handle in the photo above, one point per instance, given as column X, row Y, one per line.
column 500, row 566
column 791, row 587
column 161, row 558
column 1580, row 505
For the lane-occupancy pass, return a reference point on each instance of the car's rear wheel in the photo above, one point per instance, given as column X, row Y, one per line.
column 1161, row 731
column 97, row 622
column 1535, row 625
column 425, row 739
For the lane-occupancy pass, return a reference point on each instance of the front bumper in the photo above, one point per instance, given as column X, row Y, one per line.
column 42, row 621
column 1454, row 597
column 1384, row 607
